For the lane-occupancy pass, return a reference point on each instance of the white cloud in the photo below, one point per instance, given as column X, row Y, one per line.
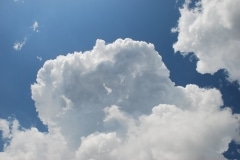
column 168, row 133
column 212, row 31
column 109, row 90
column 35, row 26
column 39, row 58
column 18, row 45
column 19, row 1
column 31, row 144
column 117, row 102
column 4, row 126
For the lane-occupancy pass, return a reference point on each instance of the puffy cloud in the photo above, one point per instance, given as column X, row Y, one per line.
column 31, row 144
column 211, row 30
column 4, row 127
column 167, row 133
column 18, row 45
column 117, row 102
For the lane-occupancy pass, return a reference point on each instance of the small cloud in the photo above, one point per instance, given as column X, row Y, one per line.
column 39, row 58
column 109, row 90
column 18, row 45
column 174, row 30
column 35, row 26
column 19, row 1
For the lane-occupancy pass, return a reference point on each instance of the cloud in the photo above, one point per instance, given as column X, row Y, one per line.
column 19, row 1
column 35, row 26
column 39, row 58
column 211, row 30
column 118, row 102
column 18, row 45
column 167, row 133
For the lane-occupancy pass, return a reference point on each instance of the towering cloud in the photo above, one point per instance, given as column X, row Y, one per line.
column 211, row 29
column 117, row 102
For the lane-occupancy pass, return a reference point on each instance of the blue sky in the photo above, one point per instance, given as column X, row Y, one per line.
column 32, row 32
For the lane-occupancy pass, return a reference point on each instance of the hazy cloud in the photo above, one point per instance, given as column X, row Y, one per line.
column 117, row 102
column 39, row 58
column 211, row 30
column 18, row 45
column 22, row 1
column 35, row 26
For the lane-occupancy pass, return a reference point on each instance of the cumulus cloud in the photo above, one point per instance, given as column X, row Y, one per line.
column 118, row 102
column 211, row 30
column 18, row 45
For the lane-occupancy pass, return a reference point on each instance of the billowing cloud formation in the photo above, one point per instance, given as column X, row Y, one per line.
column 117, row 102
column 18, row 45
column 211, row 30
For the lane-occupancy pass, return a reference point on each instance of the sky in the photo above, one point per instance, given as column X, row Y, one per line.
column 103, row 80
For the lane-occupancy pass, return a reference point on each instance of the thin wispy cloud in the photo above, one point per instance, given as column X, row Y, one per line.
column 18, row 45
column 39, row 58
column 19, row 1
column 35, row 26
